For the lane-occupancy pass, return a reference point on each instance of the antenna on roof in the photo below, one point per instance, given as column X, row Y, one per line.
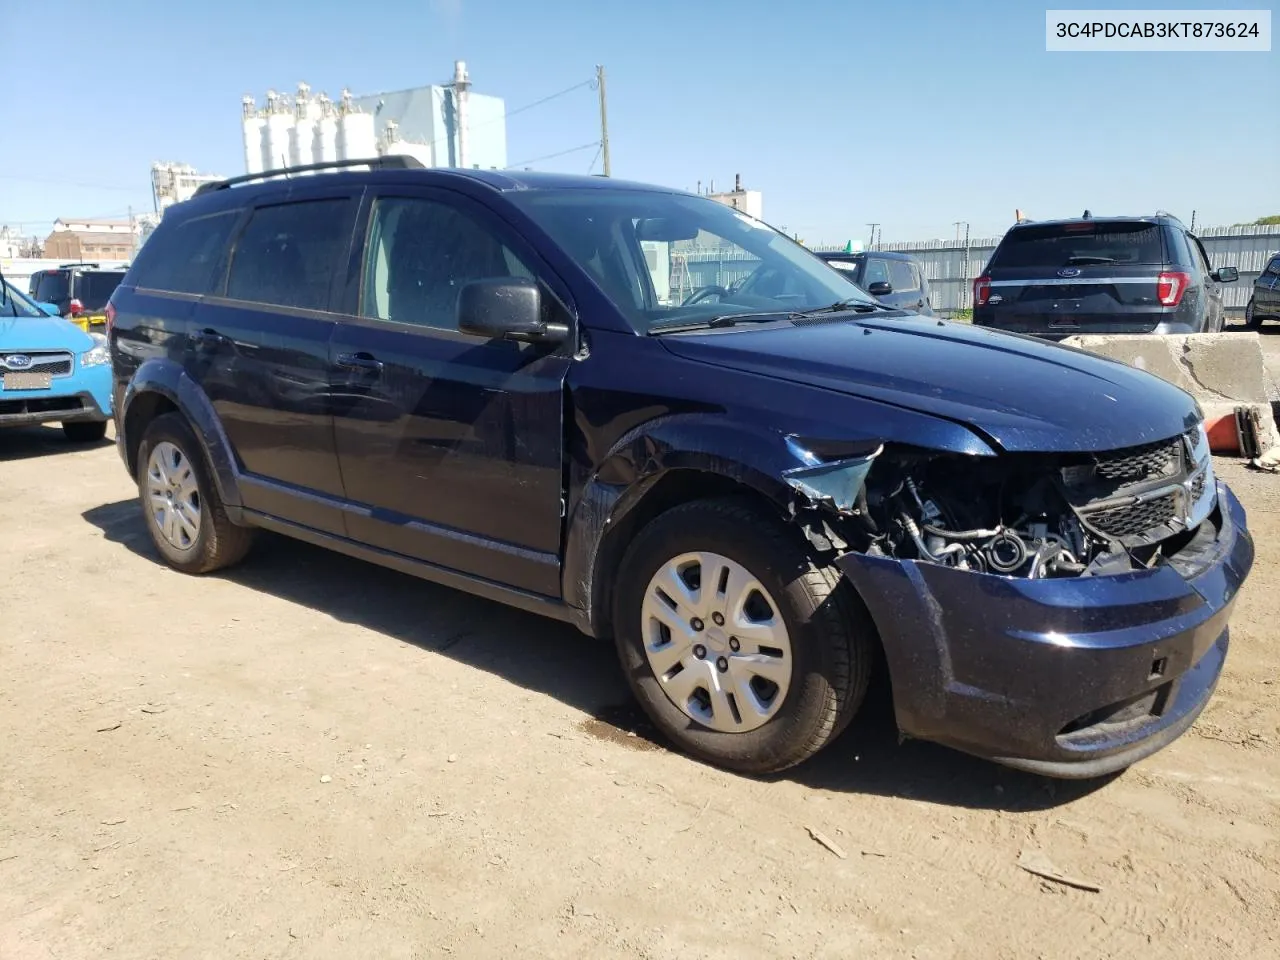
column 1087, row 215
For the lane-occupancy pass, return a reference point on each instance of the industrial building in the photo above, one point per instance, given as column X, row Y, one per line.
column 91, row 239
column 444, row 125
column 175, row 182
column 750, row 202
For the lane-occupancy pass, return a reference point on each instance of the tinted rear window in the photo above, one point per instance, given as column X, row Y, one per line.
column 1080, row 244
column 182, row 258
column 287, row 254
column 52, row 287
column 95, row 289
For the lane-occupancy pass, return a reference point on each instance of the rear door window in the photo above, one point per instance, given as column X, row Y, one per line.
column 903, row 277
column 1082, row 244
column 182, row 259
column 1201, row 258
column 95, row 289
column 288, row 254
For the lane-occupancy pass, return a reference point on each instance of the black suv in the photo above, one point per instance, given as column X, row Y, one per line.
column 80, row 291
column 896, row 279
column 1264, row 302
column 1059, row 278
column 475, row 377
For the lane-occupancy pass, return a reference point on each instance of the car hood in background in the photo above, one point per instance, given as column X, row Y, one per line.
column 42, row 333
column 1024, row 394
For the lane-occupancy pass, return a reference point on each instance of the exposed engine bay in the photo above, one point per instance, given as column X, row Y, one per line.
column 1026, row 515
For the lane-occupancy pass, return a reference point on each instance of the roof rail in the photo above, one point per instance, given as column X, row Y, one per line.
column 395, row 162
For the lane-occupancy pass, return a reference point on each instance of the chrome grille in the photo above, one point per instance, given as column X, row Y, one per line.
column 55, row 364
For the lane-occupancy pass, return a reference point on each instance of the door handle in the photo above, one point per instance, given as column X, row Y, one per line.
column 360, row 361
column 208, row 336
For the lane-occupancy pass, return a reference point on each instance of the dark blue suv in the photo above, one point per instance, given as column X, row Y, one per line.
column 1059, row 278
column 498, row 382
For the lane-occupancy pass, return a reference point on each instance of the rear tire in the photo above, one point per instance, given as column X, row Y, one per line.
column 84, row 431
column 180, row 503
column 825, row 634
column 1252, row 321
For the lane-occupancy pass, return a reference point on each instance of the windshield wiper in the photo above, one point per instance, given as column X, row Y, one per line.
column 713, row 323
column 843, row 306
column 1085, row 258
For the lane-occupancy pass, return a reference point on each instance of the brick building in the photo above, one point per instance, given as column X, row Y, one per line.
column 91, row 240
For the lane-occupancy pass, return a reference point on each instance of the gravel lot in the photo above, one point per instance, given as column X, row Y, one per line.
column 311, row 757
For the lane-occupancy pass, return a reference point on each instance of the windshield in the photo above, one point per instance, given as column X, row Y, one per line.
column 16, row 304
column 664, row 258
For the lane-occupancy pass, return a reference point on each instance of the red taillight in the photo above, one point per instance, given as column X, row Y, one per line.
column 77, row 308
column 111, row 317
column 981, row 291
column 1170, row 287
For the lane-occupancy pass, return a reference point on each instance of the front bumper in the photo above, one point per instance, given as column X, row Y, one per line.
column 1076, row 677
column 84, row 395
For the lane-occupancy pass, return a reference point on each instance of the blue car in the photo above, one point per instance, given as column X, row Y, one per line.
column 51, row 371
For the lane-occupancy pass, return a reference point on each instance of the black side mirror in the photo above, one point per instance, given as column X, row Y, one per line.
column 880, row 289
column 506, row 308
column 1226, row 274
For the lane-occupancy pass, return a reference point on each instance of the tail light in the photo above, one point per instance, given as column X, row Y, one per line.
column 77, row 308
column 981, row 291
column 1170, row 287
column 111, row 316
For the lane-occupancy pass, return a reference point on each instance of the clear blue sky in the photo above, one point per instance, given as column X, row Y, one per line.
column 913, row 114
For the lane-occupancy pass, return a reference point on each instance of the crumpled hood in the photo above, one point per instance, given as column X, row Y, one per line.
column 1027, row 395
column 42, row 333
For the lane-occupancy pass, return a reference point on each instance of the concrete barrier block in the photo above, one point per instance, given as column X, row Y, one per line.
column 1221, row 370
column 1209, row 366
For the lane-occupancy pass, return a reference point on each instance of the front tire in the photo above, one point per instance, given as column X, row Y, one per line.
column 85, row 431
column 184, row 514
column 741, row 649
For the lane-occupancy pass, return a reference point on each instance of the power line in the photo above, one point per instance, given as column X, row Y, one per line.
column 552, row 156
column 592, row 165
column 66, row 183
column 511, row 113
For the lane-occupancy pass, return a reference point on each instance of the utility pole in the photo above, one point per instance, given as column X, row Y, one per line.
column 604, row 120
column 871, row 244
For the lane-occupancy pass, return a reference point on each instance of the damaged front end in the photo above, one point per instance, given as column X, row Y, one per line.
column 1023, row 515
column 1062, row 613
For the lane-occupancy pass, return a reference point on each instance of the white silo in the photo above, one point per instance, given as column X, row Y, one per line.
column 356, row 139
column 252, row 125
column 275, row 142
column 325, row 145
column 301, row 133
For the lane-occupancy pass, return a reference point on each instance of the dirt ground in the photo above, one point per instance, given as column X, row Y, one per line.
column 311, row 757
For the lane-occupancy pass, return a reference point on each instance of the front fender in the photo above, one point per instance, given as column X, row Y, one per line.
column 707, row 444
column 162, row 376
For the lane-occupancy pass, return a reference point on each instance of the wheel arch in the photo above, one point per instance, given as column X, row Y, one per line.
column 652, row 469
column 161, row 386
